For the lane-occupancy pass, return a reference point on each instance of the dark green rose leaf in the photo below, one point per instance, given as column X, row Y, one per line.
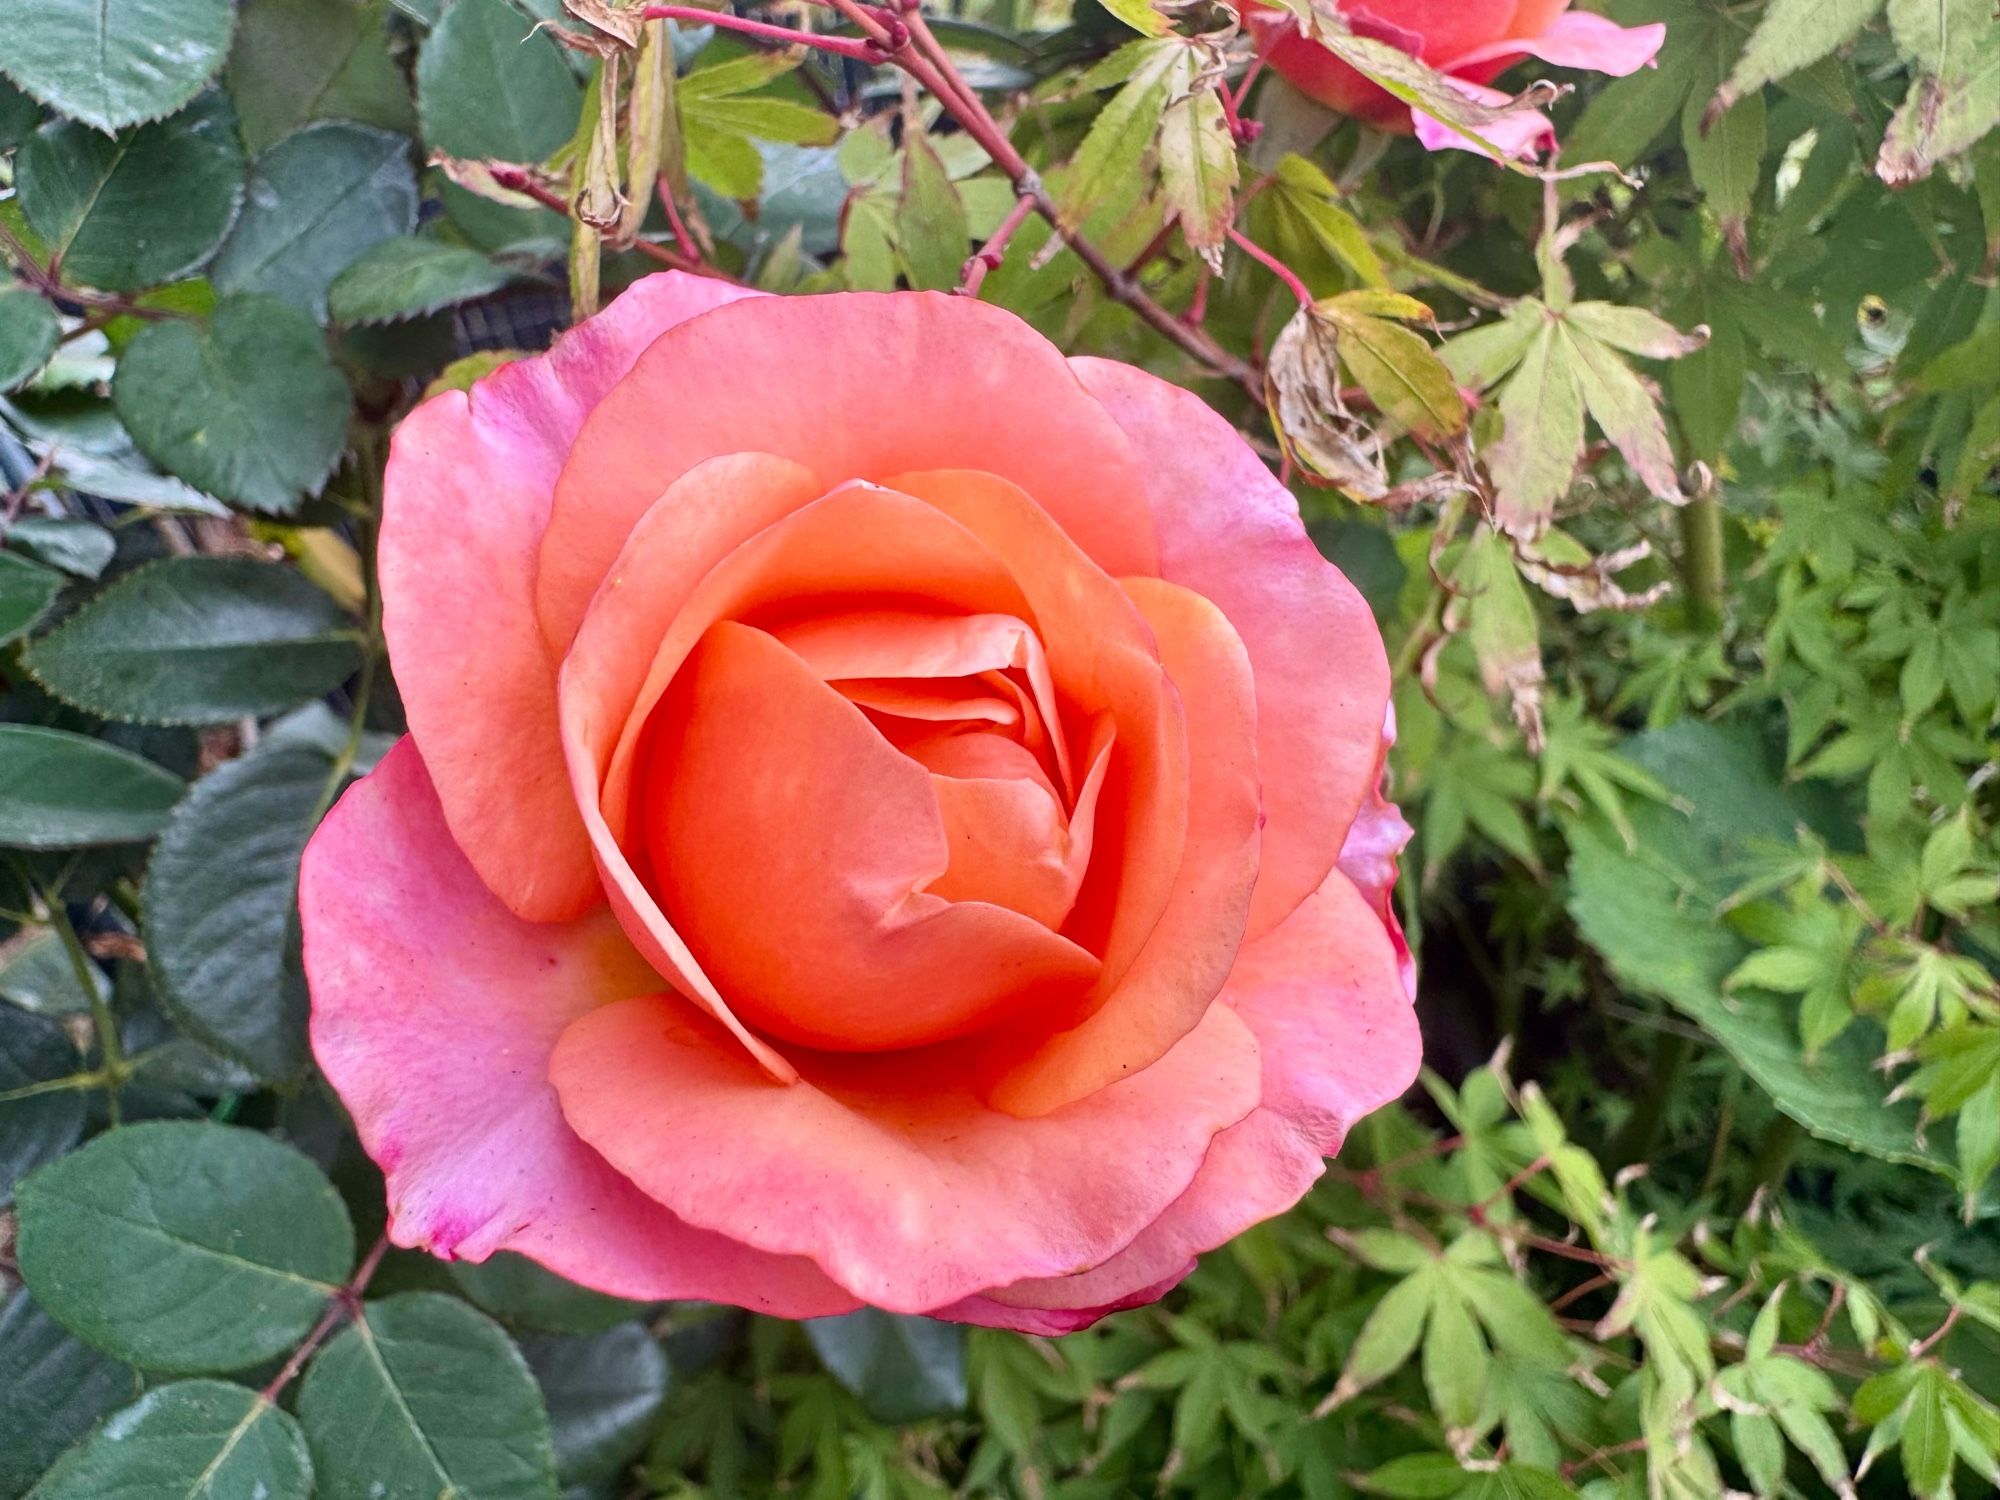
column 490, row 86
column 28, row 334
column 425, row 1397
column 408, row 277
column 317, row 199
column 137, row 209
column 184, row 1247
column 38, row 1122
column 113, row 63
column 67, row 791
column 82, row 548
column 222, row 908
column 57, row 1387
column 198, row 640
column 602, row 1393
column 18, row 115
column 249, row 408
column 518, row 1291
column 296, row 61
column 26, row 589
column 192, row 1440
column 901, row 1367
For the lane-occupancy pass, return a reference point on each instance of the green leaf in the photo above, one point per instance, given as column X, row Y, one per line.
column 1949, row 109
column 492, row 86
column 318, row 198
column 28, row 333
column 602, row 1393
column 1401, row 373
column 18, row 115
column 183, row 1247
column 931, row 233
column 37, row 1123
column 222, row 908
column 67, row 791
column 1790, row 35
column 903, row 1368
column 198, row 640
column 518, row 1291
column 1198, row 170
column 193, row 1440
column 1455, row 1360
column 138, row 209
column 1655, row 916
column 57, row 1387
column 423, row 1396
column 1535, row 460
column 113, row 63
column 407, row 277
column 296, row 61
column 26, row 589
column 1115, row 145
column 1626, row 411
column 1389, row 1337
column 1725, row 154
column 248, row 408
column 81, row 548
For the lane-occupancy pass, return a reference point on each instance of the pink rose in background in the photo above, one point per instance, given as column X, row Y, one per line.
column 1470, row 41
column 891, row 816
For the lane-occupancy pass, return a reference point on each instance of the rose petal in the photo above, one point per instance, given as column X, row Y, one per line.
column 1230, row 532
column 435, row 1010
column 1576, row 39
column 894, row 1179
column 1323, row 994
column 1520, row 133
column 796, row 861
column 465, row 500
column 855, row 386
column 1187, row 954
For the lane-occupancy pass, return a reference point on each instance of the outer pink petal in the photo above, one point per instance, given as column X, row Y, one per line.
column 1338, row 1037
column 1578, row 39
column 854, row 385
column 1519, row 133
column 1228, row 530
column 466, row 499
column 434, row 1013
column 891, row 1175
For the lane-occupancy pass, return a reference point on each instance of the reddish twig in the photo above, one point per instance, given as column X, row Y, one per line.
column 345, row 1302
column 1272, row 264
column 682, row 238
column 790, row 36
column 990, row 255
column 518, row 180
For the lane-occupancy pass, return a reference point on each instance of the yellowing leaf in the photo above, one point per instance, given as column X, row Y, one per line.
column 1198, row 171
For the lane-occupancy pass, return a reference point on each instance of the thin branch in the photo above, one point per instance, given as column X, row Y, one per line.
column 990, row 255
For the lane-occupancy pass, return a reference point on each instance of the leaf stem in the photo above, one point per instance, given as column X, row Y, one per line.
column 1702, row 562
column 112, row 1066
column 1272, row 264
column 346, row 1301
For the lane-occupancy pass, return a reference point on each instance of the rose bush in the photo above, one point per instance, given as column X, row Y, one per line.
column 890, row 816
column 1471, row 41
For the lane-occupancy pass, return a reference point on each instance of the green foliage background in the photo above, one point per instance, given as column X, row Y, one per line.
column 1673, row 487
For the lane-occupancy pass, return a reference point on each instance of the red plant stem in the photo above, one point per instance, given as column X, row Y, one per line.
column 345, row 1302
column 682, row 238
column 788, row 35
column 1272, row 264
column 989, row 255
column 517, row 180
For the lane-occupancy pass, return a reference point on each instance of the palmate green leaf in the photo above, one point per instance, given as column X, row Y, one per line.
column 192, row 1440
column 1943, row 117
column 68, row 791
column 1401, row 373
column 1198, row 171
column 57, row 1388
column 38, row 1122
column 1309, row 219
column 249, row 407
column 137, row 209
column 423, row 1396
column 296, row 61
column 113, row 63
column 318, row 198
column 222, row 908
column 198, row 640
column 602, row 1393
column 1390, row 1336
column 1151, row 72
column 903, row 1368
column 1790, row 35
column 28, row 334
column 1654, row 916
column 1725, row 152
column 407, row 277
column 491, row 86
column 932, row 237
column 184, row 1248
column 1535, row 460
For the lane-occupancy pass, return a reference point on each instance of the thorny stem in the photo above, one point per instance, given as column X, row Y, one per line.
column 346, row 1301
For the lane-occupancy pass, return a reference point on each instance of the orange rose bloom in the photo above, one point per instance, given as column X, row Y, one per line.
column 890, row 816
